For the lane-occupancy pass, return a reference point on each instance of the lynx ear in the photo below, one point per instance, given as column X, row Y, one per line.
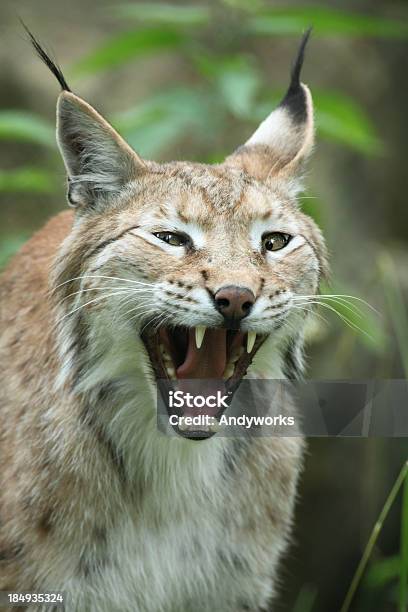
column 285, row 139
column 98, row 161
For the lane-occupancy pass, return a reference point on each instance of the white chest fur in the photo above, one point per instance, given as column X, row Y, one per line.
column 184, row 549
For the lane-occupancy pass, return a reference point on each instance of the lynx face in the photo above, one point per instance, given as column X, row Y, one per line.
column 203, row 266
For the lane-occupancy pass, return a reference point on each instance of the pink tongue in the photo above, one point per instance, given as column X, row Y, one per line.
column 210, row 360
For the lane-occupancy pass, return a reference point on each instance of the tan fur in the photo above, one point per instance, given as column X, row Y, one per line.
column 93, row 499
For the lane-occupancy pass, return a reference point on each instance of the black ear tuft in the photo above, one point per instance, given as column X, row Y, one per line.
column 55, row 69
column 298, row 63
column 294, row 99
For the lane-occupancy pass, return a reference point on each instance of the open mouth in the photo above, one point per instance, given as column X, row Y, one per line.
column 203, row 361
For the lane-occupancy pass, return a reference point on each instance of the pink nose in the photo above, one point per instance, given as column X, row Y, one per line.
column 234, row 303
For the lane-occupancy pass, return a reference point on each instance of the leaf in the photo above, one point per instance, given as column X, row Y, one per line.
column 22, row 126
column 165, row 117
column 237, row 80
column 30, row 180
column 169, row 14
column 403, row 586
column 383, row 572
column 340, row 118
column 306, row 599
column 127, row 46
column 325, row 21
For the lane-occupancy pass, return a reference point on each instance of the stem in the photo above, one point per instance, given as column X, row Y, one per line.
column 403, row 599
column 373, row 538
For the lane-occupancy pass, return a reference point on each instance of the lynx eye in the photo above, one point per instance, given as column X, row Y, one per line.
column 275, row 241
column 173, row 238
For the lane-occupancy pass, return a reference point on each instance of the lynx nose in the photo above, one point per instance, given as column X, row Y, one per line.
column 234, row 303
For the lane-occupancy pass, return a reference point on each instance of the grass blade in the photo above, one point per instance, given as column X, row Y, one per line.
column 402, row 476
column 403, row 591
column 306, row 599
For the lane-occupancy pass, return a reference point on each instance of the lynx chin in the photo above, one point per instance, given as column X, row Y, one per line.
column 170, row 271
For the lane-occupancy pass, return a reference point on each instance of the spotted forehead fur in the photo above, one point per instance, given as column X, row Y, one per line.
column 184, row 187
column 221, row 188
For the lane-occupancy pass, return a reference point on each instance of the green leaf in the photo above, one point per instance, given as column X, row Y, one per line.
column 306, row 599
column 165, row 13
column 377, row 528
column 383, row 572
column 166, row 117
column 127, row 46
column 403, row 586
column 10, row 245
column 237, row 80
column 30, row 180
column 325, row 20
column 340, row 118
column 22, row 126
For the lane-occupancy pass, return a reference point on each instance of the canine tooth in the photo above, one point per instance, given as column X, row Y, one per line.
column 199, row 335
column 170, row 371
column 250, row 341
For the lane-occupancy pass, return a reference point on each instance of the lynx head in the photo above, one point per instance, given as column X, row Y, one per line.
column 184, row 270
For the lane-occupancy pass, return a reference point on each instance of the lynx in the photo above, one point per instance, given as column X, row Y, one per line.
column 161, row 271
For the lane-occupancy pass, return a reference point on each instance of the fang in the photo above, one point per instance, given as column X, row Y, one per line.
column 199, row 335
column 250, row 341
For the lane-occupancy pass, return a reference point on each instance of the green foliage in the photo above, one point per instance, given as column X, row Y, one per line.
column 341, row 119
column 305, row 599
column 167, row 14
column 31, row 180
column 403, row 573
column 22, row 126
column 164, row 117
column 127, row 46
column 232, row 83
column 400, row 483
column 325, row 20
column 236, row 80
column 382, row 572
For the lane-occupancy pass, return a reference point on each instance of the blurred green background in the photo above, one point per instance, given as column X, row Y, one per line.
column 192, row 80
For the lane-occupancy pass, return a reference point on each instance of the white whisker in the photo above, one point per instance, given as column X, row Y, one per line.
column 117, row 278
